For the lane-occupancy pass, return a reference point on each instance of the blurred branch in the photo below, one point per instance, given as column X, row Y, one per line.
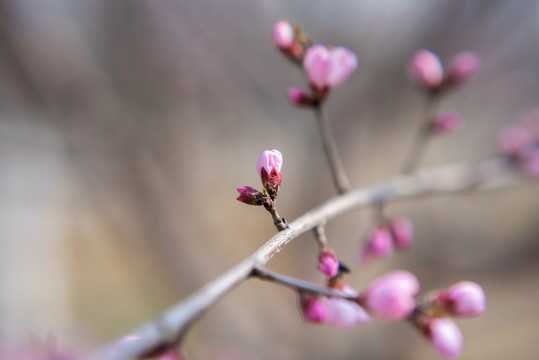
column 299, row 285
column 448, row 179
column 340, row 179
column 424, row 133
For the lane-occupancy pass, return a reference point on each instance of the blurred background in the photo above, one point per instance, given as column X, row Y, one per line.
column 126, row 125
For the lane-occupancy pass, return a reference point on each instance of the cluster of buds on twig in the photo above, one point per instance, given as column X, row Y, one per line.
column 268, row 167
column 391, row 298
column 432, row 315
column 338, row 312
column 519, row 142
column 426, row 70
column 290, row 40
column 325, row 66
column 393, row 233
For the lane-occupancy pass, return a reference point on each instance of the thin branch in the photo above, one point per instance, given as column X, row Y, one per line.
column 299, row 285
column 448, row 179
column 415, row 154
column 340, row 179
column 320, row 236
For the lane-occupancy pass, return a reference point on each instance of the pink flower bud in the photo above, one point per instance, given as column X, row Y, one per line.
column 463, row 299
column 282, row 35
column 297, row 97
column 402, row 230
column 447, row 121
column 513, row 139
column 327, row 68
column 463, row 66
column 269, row 168
column 379, row 245
column 248, row 195
column 328, row 263
column 530, row 162
column 313, row 309
column 344, row 313
column 445, row 336
column 391, row 297
column 425, row 69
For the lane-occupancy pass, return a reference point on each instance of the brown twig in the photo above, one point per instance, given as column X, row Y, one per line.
column 299, row 285
column 417, row 150
column 456, row 178
column 340, row 179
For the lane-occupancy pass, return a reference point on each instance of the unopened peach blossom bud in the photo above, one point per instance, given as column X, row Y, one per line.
column 464, row 299
column 391, row 297
column 447, row 121
column 282, row 35
column 313, row 309
column 297, row 97
column 462, row 67
column 425, row 69
column 379, row 245
column 513, row 139
column 249, row 196
column 328, row 263
column 445, row 336
column 269, row 166
column 328, row 67
column 402, row 230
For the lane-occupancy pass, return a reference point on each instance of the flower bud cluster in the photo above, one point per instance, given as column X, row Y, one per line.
column 395, row 233
column 268, row 167
column 519, row 142
column 338, row 312
column 425, row 69
column 390, row 298
column 289, row 40
column 432, row 316
column 325, row 66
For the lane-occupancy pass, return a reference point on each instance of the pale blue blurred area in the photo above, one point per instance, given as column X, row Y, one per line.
column 126, row 125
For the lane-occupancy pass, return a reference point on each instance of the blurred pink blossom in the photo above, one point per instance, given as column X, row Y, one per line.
column 391, row 297
column 328, row 67
column 463, row 66
column 447, row 121
column 379, row 245
column 313, row 309
column 402, row 230
column 296, row 96
column 282, row 35
column 344, row 313
column 463, row 299
column 425, row 69
column 328, row 263
column 445, row 336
